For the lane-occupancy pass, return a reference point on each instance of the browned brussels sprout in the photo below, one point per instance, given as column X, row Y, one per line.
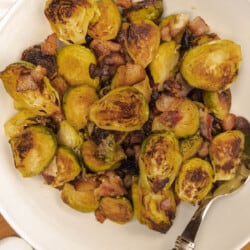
column 108, row 24
column 70, row 19
column 33, row 150
column 155, row 210
column 147, row 9
column 159, row 161
column 76, row 105
column 122, row 109
column 106, row 155
column 73, row 64
column 116, row 209
column 63, row 169
column 142, row 41
column 225, row 153
column 219, row 103
column 194, row 180
column 212, row 66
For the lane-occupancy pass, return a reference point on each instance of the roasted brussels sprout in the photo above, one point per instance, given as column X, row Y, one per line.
column 73, row 64
column 147, row 9
column 164, row 63
column 142, row 41
column 212, row 66
column 109, row 22
column 155, row 210
column 33, row 150
column 122, row 109
column 159, row 161
column 194, row 180
column 225, row 153
column 219, row 103
column 70, row 19
column 76, row 105
column 106, row 155
column 182, row 117
column 118, row 210
column 64, row 169
column 31, row 89
column 81, row 194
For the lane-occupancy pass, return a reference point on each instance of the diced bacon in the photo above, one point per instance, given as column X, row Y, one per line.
column 49, row 46
column 198, row 26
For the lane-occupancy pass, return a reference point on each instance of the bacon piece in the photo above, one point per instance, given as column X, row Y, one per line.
column 206, row 124
column 228, row 122
column 198, row 26
column 49, row 46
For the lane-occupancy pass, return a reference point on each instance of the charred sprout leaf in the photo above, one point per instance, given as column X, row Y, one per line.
column 108, row 24
column 164, row 63
column 122, row 109
column 194, row 180
column 148, row 9
column 225, row 154
column 142, row 41
column 76, row 105
column 64, row 169
column 33, row 150
column 73, row 64
column 118, row 210
column 155, row 210
column 219, row 103
column 212, row 66
column 70, row 19
column 159, row 161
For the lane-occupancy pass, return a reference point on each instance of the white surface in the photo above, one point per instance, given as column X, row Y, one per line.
column 14, row 243
column 36, row 211
column 5, row 5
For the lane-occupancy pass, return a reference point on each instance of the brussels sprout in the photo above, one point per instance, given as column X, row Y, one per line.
column 64, row 169
column 212, row 66
column 159, row 161
column 155, row 210
column 73, row 64
column 194, row 180
column 81, row 194
column 109, row 22
column 76, row 105
column 122, row 109
column 225, row 153
column 70, row 19
column 33, row 150
column 190, row 146
column 219, row 103
column 147, row 9
column 118, row 210
column 142, row 41
column 182, row 118
column 30, row 88
column 164, row 63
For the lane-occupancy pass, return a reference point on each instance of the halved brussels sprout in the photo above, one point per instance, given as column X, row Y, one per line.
column 106, row 155
column 212, row 66
column 108, row 24
column 76, row 105
column 182, row 118
column 73, row 64
column 142, row 41
column 30, row 88
column 70, row 19
column 118, row 210
column 225, row 153
column 33, row 150
column 164, row 63
column 81, row 194
column 155, row 210
column 159, row 161
column 122, row 109
column 64, row 169
column 219, row 103
column 147, row 9
column 194, row 180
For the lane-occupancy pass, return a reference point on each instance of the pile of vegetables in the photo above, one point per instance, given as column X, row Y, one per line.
column 127, row 112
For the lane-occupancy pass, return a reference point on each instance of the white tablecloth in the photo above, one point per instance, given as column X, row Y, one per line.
column 5, row 5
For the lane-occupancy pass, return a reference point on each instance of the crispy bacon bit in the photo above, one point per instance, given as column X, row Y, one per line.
column 228, row 122
column 166, row 33
column 124, row 3
column 49, row 46
column 206, row 124
column 198, row 26
column 242, row 124
column 38, row 73
column 204, row 149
